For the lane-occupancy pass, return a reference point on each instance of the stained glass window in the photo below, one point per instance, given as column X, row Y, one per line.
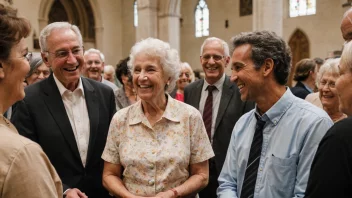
column 135, row 12
column 202, row 19
column 302, row 7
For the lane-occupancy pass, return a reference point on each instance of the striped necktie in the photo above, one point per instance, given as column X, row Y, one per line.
column 208, row 110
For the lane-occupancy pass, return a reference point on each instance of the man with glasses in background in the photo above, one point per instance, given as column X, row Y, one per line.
column 219, row 102
column 68, row 115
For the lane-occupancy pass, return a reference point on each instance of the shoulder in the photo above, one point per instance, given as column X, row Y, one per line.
column 194, row 85
column 181, row 108
column 97, row 85
column 341, row 130
column 306, row 109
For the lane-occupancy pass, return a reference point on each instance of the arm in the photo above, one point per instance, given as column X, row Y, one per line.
column 112, row 180
column 332, row 162
column 316, row 132
column 228, row 176
column 31, row 175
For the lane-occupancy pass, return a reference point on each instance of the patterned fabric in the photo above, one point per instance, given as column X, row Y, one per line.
column 121, row 99
column 157, row 158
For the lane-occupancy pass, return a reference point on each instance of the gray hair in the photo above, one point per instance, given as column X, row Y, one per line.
column 346, row 58
column 95, row 51
column 266, row 44
column 34, row 63
column 109, row 69
column 168, row 57
column 57, row 25
column 186, row 65
column 330, row 66
column 225, row 46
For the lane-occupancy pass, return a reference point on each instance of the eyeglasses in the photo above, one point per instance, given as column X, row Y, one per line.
column 330, row 84
column 63, row 54
column 186, row 74
column 95, row 62
column 215, row 57
column 45, row 73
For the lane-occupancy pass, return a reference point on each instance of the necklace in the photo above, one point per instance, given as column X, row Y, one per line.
column 5, row 120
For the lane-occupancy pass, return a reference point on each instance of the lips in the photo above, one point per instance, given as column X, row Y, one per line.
column 145, row 86
column 71, row 69
column 211, row 68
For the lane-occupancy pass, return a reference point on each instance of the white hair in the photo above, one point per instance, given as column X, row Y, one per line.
column 329, row 66
column 95, row 51
column 109, row 69
column 186, row 65
column 57, row 25
column 168, row 58
column 346, row 58
column 225, row 46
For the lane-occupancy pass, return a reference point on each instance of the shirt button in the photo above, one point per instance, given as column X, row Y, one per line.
column 151, row 182
column 151, row 166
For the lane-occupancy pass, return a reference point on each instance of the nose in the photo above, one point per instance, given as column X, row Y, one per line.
column 234, row 76
column 71, row 59
column 211, row 60
column 41, row 75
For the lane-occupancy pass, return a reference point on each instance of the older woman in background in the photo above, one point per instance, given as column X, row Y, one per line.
column 125, row 95
column 25, row 170
column 186, row 77
column 158, row 146
column 38, row 70
column 327, row 75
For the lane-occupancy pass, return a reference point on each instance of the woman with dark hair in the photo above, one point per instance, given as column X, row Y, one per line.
column 305, row 74
column 126, row 95
column 25, row 169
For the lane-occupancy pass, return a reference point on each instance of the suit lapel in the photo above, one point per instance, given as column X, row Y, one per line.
column 227, row 92
column 92, row 102
column 57, row 109
column 197, row 94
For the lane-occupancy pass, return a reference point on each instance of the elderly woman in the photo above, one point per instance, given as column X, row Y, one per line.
column 38, row 70
column 157, row 146
column 25, row 170
column 327, row 75
column 126, row 95
column 186, row 76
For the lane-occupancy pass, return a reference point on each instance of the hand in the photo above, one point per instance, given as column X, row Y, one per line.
column 166, row 194
column 75, row 193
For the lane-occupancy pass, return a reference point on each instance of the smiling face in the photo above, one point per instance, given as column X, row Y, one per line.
column 213, row 61
column 148, row 78
column 344, row 89
column 94, row 66
column 39, row 74
column 327, row 90
column 66, row 68
column 13, row 72
column 244, row 74
column 184, row 78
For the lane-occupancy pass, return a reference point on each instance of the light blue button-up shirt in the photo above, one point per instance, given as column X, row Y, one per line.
column 291, row 135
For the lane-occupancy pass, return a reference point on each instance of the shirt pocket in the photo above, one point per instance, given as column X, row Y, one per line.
column 282, row 174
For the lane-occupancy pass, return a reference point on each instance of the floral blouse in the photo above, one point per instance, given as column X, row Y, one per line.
column 157, row 158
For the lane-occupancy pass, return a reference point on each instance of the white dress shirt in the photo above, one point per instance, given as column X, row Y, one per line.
column 77, row 112
column 216, row 101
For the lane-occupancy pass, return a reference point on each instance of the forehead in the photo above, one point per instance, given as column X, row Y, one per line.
column 241, row 53
column 346, row 27
column 143, row 59
column 62, row 39
column 213, row 47
column 92, row 55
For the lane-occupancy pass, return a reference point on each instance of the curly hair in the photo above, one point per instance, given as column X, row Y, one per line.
column 13, row 29
column 266, row 44
column 122, row 69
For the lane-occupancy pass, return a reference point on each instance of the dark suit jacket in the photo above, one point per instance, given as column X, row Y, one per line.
column 231, row 108
column 300, row 90
column 42, row 117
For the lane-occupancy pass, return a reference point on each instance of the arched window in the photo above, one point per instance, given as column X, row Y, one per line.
column 135, row 12
column 302, row 7
column 202, row 19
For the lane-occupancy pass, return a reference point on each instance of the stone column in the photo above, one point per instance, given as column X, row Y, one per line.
column 147, row 19
column 268, row 15
column 169, row 30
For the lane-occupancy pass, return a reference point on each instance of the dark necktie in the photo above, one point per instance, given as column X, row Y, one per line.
column 208, row 110
column 250, row 175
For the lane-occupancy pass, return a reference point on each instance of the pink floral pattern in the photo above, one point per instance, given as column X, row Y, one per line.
column 157, row 158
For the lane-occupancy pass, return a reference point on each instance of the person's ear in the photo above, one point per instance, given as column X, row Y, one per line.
column 2, row 72
column 268, row 66
column 45, row 59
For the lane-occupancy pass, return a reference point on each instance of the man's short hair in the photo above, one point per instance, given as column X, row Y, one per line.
column 225, row 46
column 95, row 51
column 303, row 69
column 266, row 44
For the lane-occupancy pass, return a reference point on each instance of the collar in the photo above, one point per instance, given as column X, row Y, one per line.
column 276, row 112
column 307, row 87
column 218, row 83
column 63, row 89
column 137, row 114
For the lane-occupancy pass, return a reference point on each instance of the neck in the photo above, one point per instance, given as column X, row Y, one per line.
column 71, row 86
column 271, row 94
column 5, row 102
column 333, row 112
column 180, row 91
column 309, row 83
column 154, row 108
column 128, row 90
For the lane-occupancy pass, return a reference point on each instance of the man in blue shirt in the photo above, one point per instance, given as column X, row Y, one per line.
column 272, row 146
